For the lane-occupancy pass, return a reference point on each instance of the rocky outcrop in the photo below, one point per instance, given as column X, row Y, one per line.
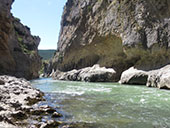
column 18, row 48
column 19, row 105
column 134, row 76
column 88, row 74
column 47, row 69
column 114, row 33
column 159, row 78
column 15, row 95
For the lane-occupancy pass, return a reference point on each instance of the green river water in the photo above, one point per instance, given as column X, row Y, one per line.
column 108, row 105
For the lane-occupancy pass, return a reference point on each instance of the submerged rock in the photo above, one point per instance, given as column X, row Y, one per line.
column 51, row 124
column 82, row 125
column 88, row 74
column 56, row 114
column 43, row 110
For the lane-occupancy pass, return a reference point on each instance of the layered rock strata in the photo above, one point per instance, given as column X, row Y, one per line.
column 114, row 33
column 18, row 48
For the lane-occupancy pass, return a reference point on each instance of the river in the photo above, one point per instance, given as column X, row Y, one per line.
column 107, row 105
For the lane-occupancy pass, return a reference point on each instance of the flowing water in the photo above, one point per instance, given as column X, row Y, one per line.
column 108, row 105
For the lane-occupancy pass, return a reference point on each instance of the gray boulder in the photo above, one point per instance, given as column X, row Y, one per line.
column 159, row 78
column 134, row 76
column 88, row 74
column 97, row 74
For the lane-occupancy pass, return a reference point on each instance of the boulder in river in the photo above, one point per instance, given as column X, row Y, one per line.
column 51, row 124
column 88, row 74
column 134, row 76
column 159, row 78
column 56, row 114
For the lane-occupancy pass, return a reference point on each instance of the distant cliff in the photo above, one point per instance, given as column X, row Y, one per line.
column 114, row 33
column 18, row 48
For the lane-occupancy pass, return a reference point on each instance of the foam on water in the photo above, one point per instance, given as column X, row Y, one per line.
column 109, row 104
column 72, row 93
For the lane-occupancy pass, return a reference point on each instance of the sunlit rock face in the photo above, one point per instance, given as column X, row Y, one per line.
column 18, row 48
column 114, row 33
column 159, row 78
column 88, row 74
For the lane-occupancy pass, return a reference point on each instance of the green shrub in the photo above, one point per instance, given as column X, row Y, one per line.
column 20, row 39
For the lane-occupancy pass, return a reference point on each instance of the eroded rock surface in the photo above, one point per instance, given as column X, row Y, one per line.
column 134, row 76
column 114, row 33
column 18, row 48
column 20, row 107
column 15, row 97
column 88, row 74
column 159, row 78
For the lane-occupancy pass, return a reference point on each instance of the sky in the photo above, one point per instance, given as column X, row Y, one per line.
column 43, row 17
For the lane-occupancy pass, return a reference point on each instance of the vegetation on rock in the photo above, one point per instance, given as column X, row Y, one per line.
column 46, row 54
column 18, row 48
column 114, row 33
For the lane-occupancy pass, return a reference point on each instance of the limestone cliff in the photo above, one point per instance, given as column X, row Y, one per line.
column 18, row 48
column 114, row 33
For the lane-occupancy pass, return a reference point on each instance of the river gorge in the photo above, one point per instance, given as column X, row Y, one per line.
column 109, row 53
column 107, row 105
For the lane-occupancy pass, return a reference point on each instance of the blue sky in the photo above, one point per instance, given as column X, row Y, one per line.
column 43, row 17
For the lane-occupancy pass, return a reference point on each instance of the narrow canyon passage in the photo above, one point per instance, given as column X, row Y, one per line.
column 97, row 42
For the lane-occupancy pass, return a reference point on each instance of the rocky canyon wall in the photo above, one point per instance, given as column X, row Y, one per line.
column 114, row 33
column 18, row 48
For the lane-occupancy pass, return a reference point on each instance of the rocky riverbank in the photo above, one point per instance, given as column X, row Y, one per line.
column 88, row 74
column 159, row 78
column 20, row 105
